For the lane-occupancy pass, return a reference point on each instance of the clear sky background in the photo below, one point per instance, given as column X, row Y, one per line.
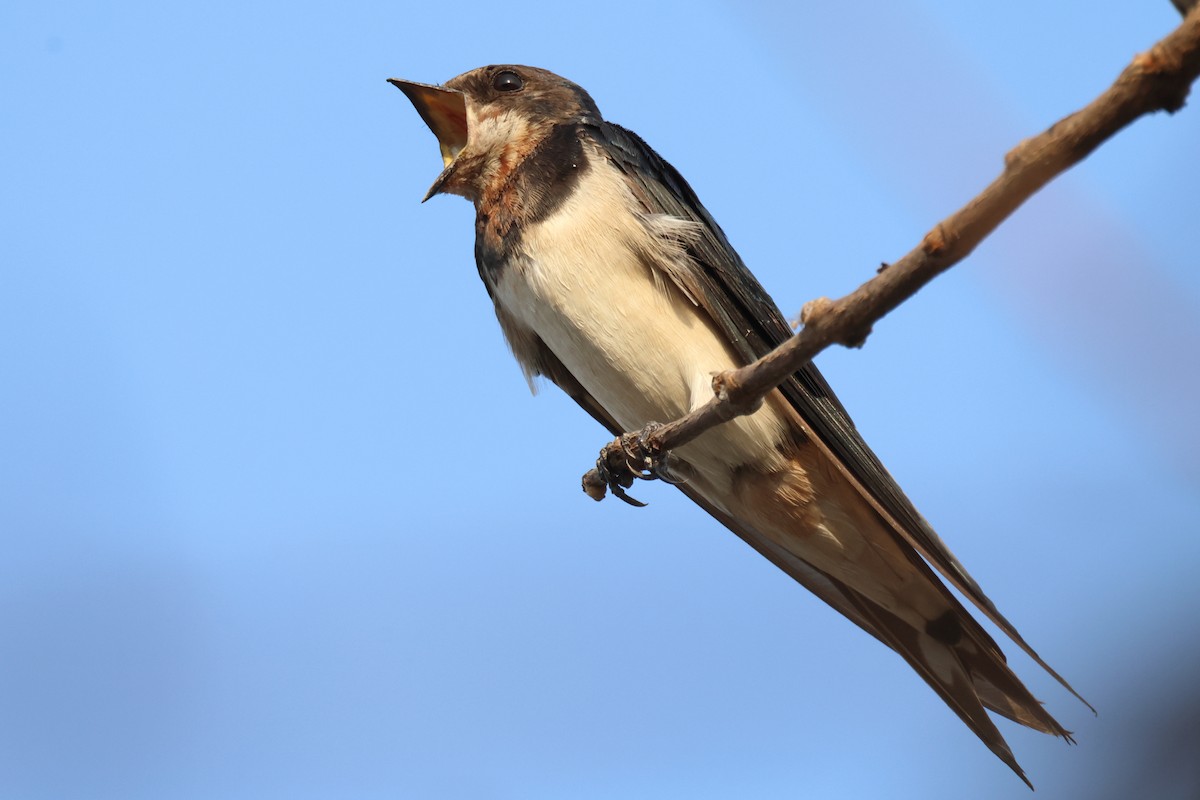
column 280, row 518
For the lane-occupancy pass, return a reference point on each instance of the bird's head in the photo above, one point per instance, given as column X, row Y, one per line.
column 488, row 120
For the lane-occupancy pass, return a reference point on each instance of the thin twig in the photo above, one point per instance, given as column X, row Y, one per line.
column 1157, row 80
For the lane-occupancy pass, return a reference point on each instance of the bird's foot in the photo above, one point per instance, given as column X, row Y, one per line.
column 629, row 457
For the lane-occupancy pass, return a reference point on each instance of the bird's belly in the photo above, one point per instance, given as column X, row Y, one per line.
column 640, row 348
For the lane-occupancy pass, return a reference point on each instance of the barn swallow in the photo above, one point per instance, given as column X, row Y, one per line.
column 610, row 279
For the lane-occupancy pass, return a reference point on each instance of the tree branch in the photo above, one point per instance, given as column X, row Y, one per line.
column 1157, row 80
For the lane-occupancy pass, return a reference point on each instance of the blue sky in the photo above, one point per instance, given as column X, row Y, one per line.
column 264, row 532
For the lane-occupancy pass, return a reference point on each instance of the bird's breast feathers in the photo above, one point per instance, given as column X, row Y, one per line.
column 604, row 286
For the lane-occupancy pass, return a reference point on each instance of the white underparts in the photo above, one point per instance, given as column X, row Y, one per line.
column 606, row 288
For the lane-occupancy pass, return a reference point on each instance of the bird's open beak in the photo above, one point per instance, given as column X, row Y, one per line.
column 445, row 112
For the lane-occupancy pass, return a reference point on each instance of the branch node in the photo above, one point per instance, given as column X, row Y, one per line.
column 856, row 337
column 815, row 311
column 732, row 396
column 1015, row 157
column 1150, row 62
column 1161, row 63
column 594, row 486
column 935, row 242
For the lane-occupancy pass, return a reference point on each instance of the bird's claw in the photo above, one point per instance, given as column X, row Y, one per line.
column 630, row 457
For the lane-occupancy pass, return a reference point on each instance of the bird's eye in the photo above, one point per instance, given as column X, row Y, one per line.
column 507, row 81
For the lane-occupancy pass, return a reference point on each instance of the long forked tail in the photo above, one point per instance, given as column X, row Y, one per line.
column 953, row 653
column 968, row 674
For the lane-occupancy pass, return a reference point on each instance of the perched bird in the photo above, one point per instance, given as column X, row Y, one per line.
column 612, row 280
